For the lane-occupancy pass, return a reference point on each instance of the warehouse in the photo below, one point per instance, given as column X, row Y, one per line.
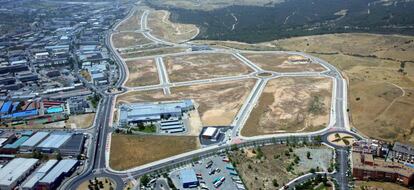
column 31, row 143
column 153, row 111
column 211, row 133
column 53, row 179
column 15, row 171
column 53, row 142
column 74, row 146
column 188, row 178
column 13, row 147
column 33, row 179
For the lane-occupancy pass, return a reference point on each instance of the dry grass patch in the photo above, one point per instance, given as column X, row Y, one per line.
column 370, row 63
column 382, row 46
column 152, row 52
column 291, row 105
column 375, row 185
column 128, row 151
column 129, row 39
column 282, row 62
column 133, row 23
column 217, row 103
column 203, row 66
column 80, row 121
column 161, row 26
column 142, row 72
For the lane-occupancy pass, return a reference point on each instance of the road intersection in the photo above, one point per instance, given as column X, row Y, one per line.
column 98, row 156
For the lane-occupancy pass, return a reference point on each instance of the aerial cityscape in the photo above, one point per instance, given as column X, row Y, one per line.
column 213, row 94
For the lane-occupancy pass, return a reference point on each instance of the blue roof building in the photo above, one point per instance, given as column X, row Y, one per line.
column 16, row 144
column 188, row 178
column 6, row 107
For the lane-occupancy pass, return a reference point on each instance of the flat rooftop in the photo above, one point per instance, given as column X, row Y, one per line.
column 55, row 140
column 15, row 169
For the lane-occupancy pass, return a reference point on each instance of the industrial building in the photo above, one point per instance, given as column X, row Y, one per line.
column 33, row 141
column 74, row 146
column 153, row 111
column 188, row 178
column 31, row 181
column 53, row 142
column 210, row 133
column 55, row 176
column 15, row 171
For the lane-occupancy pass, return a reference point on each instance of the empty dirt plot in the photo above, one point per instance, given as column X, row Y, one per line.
column 80, row 121
column 203, row 66
column 282, row 62
column 132, row 23
column 128, row 151
column 142, row 72
column 129, row 39
column 217, row 103
column 161, row 27
column 295, row 104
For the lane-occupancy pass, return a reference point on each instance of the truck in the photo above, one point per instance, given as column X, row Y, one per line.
column 209, row 164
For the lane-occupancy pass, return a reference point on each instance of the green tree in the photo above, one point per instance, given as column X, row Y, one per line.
column 145, row 180
column 274, row 182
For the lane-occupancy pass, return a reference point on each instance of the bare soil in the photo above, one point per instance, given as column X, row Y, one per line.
column 81, row 121
column 291, row 105
column 282, row 62
column 203, row 66
column 142, row 72
column 128, row 151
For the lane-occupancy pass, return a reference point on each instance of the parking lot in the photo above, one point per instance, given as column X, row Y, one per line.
column 209, row 170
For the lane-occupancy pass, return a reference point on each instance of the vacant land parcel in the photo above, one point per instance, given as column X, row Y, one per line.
column 129, row 151
column 283, row 62
column 380, row 72
column 217, row 103
column 129, row 39
column 162, row 27
column 142, row 72
column 291, row 105
column 203, row 66
column 132, row 23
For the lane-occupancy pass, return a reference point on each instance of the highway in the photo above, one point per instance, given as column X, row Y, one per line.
column 98, row 154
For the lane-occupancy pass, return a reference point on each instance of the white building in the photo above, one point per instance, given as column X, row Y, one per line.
column 15, row 172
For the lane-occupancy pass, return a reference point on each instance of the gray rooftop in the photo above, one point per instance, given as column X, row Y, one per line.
column 15, row 169
column 55, row 140
column 403, row 148
column 62, row 167
column 32, row 180
column 35, row 139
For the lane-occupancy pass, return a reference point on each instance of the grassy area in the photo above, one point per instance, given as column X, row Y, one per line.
column 100, row 183
column 128, row 151
column 151, row 128
column 270, row 167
